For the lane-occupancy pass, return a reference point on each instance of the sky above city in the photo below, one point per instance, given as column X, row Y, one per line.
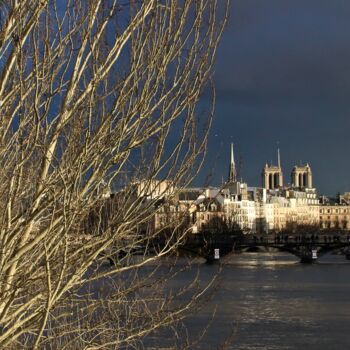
column 282, row 78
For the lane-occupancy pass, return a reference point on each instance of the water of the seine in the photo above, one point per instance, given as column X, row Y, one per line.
column 273, row 302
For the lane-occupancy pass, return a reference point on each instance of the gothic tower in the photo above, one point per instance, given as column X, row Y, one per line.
column 302, row 176
column 232, row 176
column 272, row 175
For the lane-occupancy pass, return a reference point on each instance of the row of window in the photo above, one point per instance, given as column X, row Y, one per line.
column 334, row 225
column 336, row 218
column 211, row 207
column 338, row 210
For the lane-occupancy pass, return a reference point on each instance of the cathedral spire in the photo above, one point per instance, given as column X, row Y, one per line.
column 232, row 177
column 278, row 158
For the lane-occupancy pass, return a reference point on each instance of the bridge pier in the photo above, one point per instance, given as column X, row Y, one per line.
column 347, row 254
column 308, row 255
column 307, row 260
column 213, row 256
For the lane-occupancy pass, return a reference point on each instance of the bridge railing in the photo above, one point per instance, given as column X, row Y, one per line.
column 297, row 239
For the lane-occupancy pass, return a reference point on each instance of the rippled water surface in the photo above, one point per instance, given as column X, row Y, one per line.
column 271, row 301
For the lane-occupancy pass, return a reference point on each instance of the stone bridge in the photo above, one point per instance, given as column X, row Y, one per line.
column 307, row 247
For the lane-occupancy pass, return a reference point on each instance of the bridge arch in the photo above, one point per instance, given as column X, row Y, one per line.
column 299, row 250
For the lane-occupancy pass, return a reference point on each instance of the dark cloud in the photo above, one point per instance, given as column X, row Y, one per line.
column 283, row 74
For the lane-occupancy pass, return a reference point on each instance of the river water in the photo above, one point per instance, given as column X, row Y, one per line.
column 271, row 301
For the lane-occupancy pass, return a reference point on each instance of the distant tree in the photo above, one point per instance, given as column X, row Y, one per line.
column 301, row 229
column 94, row 95
column 216, row 225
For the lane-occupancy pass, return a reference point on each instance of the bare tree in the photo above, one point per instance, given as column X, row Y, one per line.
column 95, row 95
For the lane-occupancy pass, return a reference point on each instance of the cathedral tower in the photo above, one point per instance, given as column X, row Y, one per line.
column 232, row 176
column 302, row 176
column 272, row 175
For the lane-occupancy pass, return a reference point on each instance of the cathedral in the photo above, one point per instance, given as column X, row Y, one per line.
column 274, row 205
column 272, row 176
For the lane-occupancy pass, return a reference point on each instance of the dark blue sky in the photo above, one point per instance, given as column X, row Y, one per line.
column 283, row 74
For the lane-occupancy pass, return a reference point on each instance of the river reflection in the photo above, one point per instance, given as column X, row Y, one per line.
column 271, row 301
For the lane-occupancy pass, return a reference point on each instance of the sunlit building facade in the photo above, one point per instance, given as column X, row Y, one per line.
column 235, row 206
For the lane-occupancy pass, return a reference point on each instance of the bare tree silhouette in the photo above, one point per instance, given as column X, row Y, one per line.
column 95, row 95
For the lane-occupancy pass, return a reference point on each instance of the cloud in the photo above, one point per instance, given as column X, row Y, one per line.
column 283, row 72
